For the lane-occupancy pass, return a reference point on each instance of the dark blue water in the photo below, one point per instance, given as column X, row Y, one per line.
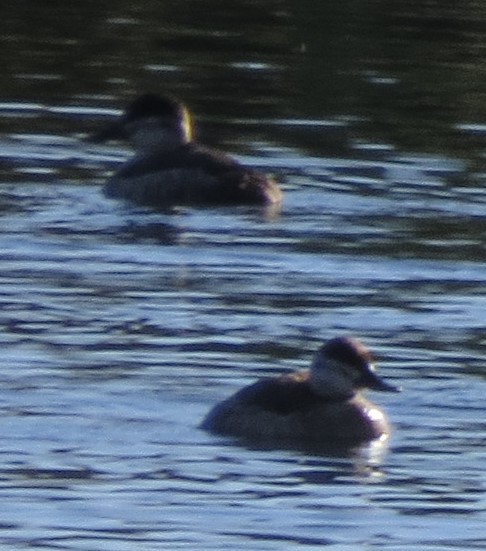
column 121, row 327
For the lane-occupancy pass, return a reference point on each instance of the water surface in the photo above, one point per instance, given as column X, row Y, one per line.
column 122, row 326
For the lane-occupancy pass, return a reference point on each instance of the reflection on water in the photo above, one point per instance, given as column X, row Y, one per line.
column 365, row 460
column 121, row 327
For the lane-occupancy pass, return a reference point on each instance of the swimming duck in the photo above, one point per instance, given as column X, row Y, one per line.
column 322, row 405
column 171, row 169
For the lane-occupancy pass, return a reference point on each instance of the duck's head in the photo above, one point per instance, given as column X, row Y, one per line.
column 152, row 122
column 342, row 367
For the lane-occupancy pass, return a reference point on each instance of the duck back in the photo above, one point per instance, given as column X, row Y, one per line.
column 191, row 174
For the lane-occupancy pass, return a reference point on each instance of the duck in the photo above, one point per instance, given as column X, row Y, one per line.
column 171, row 169
column 320, row 406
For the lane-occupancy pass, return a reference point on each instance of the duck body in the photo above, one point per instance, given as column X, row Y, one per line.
column 191, row 174
column 285, row 409
column 298, row 407
column 171, row 169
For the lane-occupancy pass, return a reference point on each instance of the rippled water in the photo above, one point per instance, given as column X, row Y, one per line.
column 121, row 327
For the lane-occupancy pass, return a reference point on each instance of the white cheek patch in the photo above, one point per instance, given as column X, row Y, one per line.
column 336, row 379
column 149, row 134
column 152, row 133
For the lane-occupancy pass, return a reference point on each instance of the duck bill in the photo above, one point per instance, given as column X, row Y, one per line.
column 373, row 382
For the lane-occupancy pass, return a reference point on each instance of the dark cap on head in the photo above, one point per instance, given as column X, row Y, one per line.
column 149, row 105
